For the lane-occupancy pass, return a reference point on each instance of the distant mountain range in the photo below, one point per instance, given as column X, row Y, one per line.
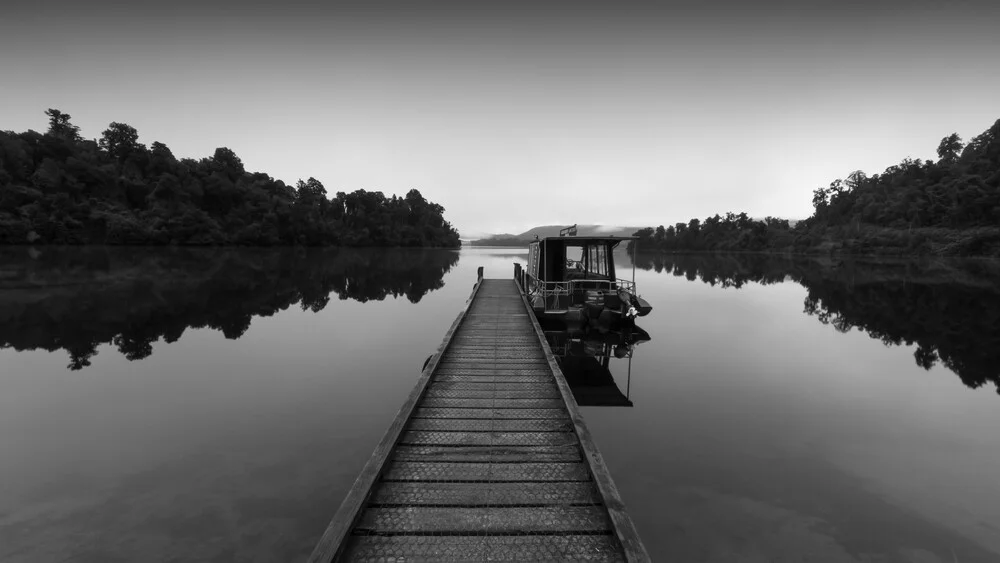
column 507, row 239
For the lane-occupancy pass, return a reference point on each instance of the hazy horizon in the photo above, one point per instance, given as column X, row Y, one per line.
column 513, row 116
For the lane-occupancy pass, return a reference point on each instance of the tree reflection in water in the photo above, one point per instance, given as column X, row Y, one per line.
column 949, row 309
column 79, row 298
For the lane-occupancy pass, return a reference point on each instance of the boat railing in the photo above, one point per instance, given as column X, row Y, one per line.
column 557, row 295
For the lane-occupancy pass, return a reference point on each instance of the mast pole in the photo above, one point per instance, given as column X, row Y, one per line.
column 635, row 250
column 628, row 382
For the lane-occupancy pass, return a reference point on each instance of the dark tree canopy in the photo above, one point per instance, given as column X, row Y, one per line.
column 58, row 189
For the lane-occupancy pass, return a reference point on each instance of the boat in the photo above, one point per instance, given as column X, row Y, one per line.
column 572, row 279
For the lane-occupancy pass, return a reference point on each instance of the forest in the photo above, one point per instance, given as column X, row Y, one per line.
column 58, row 188
column 950, row 206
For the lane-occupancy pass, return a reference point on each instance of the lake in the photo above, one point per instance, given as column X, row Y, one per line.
column 217, row 404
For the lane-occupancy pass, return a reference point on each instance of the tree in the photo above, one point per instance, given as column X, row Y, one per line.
column 60, row 127
column 855, row 179
column 836, row 188
column 694, row 226
column 120, row 140
column 226, row 161
column 949, row 148
column 310, row 192
column 161, row 159
column 819, row 200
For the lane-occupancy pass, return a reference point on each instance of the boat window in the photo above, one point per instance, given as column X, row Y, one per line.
column 574, row 259
column 598, row 260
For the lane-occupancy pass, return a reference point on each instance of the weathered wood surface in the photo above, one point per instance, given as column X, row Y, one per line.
column 488, row 459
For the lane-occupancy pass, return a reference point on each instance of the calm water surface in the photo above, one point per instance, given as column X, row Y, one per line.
column 216, row 405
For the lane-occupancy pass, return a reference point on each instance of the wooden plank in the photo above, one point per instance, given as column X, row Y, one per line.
column 490, row 413
column 460, row 403
column 497, row 494
column 622, row 522
column 489, row 454
column 490, row 520
column 453, row 438
column 437, row 384
column 485, row 472
column 592, row 548
column 491, row 425
column 333, row 538
column 535, row 392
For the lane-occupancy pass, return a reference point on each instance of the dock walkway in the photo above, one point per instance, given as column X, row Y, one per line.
column 488, row 459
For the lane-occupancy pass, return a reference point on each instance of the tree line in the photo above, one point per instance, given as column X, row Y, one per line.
column 58, row 188
column 950, row 206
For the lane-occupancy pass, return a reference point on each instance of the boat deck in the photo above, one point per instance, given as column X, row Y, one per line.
column 488, row 459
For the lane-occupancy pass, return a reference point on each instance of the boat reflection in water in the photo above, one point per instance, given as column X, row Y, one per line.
column 585, row 359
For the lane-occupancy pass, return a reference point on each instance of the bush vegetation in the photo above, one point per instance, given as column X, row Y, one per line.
column 946, row 207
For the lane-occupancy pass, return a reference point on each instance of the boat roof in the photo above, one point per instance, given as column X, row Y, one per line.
column 584, row 239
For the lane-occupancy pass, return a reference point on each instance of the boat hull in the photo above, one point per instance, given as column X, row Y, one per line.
column 586, row 316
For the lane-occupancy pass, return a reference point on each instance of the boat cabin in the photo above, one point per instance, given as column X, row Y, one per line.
column 567, row 272
column 572, row 258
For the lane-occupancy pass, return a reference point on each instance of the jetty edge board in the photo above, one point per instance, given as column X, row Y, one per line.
column 488, row 458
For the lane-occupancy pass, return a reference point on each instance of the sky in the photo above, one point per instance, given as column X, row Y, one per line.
column 516, row 114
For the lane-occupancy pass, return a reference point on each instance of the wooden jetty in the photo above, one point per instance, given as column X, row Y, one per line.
column 488, row 458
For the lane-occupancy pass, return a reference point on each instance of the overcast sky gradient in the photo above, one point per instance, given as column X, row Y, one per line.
column 511, row 115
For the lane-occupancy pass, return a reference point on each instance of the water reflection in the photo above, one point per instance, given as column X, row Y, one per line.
column 76, row 299
column 585, row 359
column 950, row 310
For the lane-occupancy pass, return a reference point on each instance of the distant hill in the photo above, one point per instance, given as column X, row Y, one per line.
column 553, row 231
